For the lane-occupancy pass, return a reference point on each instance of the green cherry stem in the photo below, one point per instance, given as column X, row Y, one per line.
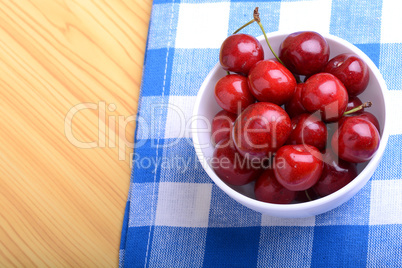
column 244, row 26
column 256, row 15
column 308, row 196
column 258, row 20
column 358, row 108
column 227, row 72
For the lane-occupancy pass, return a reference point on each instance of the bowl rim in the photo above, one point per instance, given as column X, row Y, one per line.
column 354, row 186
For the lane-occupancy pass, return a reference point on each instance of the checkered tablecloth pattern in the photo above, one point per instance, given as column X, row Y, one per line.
column 177, row 217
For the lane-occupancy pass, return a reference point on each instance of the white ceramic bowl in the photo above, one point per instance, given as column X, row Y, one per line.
column 206, row 107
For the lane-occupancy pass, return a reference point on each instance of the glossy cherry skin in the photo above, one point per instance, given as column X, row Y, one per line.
column 260, row 130
column 304, row 53
column 370, row 117
column 221, row 126
column 353, row 103
column 230, row 166
column 308, row 129
column 332, row 127
column 298, row 167
column 239, row 52
column 366, row 116
column 351, row 70
column 325, row 93
column 294, row 106
column 335, row 175
column 270, row 81
column 232, row 93
column 356, row 140
column 268, row 189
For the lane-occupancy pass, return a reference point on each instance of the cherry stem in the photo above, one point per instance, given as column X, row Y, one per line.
column 308, row 196
column 244, row 26
column 358, row 108
column 258, row 20
column 256, row 15
column 228, row 72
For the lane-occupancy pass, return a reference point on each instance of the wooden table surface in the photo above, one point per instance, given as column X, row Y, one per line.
column 70, row 72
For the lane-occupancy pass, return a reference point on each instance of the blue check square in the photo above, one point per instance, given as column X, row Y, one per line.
column 157, row 76
column 358, row 22
column 340, row 246
column 225, row 247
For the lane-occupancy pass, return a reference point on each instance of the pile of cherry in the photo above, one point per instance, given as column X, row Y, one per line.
column 296, row 140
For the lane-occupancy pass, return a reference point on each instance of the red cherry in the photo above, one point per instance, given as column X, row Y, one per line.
column 268, row 189
column 298, row 167
column 370, row 117
column 354, row 102
column 304, row 53
column 308, row 129
column 351, row 70
column 270, row 81
column 294, row 106
column 364, row 115
column 230, row 166
column 239, row 52
column 261, row 129
column 232, row 93
column 222, row 124
column 335, row 175
column 325, row 93
column 356, row 140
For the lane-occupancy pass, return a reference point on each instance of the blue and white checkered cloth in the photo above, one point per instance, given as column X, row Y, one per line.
column 177, row 217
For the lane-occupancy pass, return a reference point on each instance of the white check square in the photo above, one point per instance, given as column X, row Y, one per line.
column 172, row 211
column 202, row 25
column 179, row 113
column 391, row 21
column 386, row 202
column 311, row 15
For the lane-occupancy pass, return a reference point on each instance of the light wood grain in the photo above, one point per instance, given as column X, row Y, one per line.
column 61, row 204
